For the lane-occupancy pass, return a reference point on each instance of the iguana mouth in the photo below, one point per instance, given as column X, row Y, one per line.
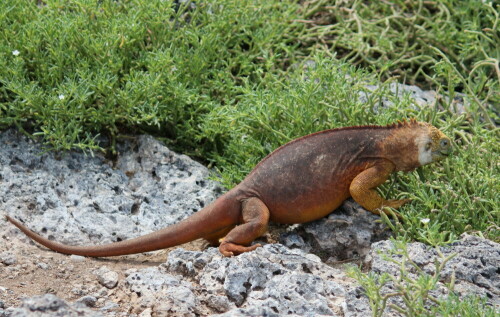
column 447, row 152
column 440, row 155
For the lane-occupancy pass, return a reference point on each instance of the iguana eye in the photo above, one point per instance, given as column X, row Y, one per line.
column 428, row 146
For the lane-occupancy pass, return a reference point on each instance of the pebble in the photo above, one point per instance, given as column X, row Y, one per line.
column 89, row 301
column 77, row 258
column 43, row 265
column 106, row 277
column 8, row 258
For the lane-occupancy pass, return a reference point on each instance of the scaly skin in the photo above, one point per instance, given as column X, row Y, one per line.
column 301, row 181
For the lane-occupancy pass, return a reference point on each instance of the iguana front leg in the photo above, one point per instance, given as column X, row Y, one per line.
column 363, row 186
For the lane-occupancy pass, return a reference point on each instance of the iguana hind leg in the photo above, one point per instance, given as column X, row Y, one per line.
column 255, row 216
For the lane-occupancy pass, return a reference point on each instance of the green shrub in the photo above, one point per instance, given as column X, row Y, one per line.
column 72, row 69
column 416, row 41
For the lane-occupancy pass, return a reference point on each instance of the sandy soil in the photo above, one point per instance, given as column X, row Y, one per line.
column 39, row 271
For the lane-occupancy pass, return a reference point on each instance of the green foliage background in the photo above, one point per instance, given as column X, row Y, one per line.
column 228, row 81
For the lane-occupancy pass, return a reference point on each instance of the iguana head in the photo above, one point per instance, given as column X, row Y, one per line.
column 413, row 144
column 432, row 144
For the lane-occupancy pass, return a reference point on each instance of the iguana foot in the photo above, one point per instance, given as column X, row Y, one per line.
column 230, row 249
column 395, row 203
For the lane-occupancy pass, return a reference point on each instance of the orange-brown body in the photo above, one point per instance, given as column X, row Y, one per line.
column 302, row 181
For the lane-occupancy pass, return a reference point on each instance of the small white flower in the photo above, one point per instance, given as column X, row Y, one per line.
column 425, row 221
column 15, row 52
column 61, row 97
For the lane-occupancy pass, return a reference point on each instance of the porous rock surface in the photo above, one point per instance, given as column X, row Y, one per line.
column 346, row 234
column 162, row 293
column 49, row 305
column 82, row 199
column 274, row 280
column 277, row 281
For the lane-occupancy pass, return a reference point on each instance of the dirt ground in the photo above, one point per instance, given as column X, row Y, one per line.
column 38, row 271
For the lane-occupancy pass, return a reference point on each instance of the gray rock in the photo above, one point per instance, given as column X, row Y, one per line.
column 8, row 258
column 77, row 258
column 109, row 306
column 294, row 240
column 478, row 262
column 49, row 305
column 345, row 234
column 43, row 265
column 165, row 294
column 357, row 303
column 475, row 266
column 106, row 277
column 82, row 199
column 218, row 303
column 273, row 280
column 148, row 312
column 88, row 301
column 251, row 312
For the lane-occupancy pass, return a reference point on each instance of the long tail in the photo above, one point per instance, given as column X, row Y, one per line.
column 201, row 224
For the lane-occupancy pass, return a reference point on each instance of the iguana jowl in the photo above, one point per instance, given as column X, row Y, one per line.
column 301, row 181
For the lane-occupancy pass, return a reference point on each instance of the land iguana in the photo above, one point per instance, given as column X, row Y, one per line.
column 301, row 181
